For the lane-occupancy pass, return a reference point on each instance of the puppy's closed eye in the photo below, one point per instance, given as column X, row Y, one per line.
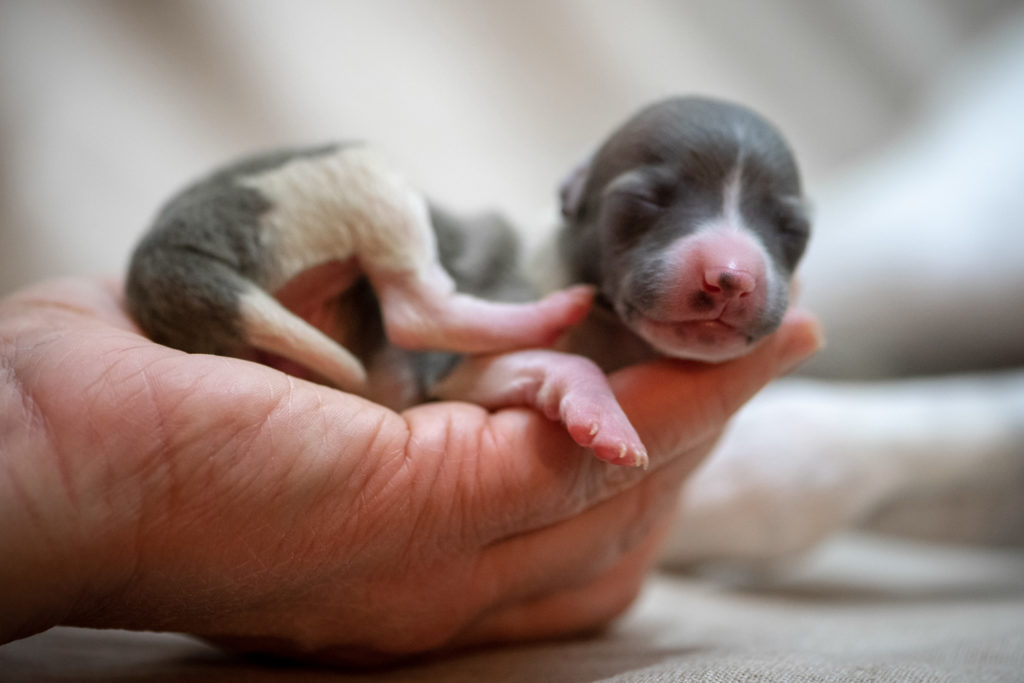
column 638, row 196
column 791, row 223
column 628, row 213
column 641, row 199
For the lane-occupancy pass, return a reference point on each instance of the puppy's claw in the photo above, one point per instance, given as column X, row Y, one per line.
column 641, row 460
column 635, row 457
column 622, row 454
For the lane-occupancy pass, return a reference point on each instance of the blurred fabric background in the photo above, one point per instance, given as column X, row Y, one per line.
column 108, row 107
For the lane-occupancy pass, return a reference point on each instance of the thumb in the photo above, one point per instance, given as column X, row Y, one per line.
column 675, row 405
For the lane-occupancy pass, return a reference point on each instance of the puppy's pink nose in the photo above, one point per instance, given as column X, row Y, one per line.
column 728, row 282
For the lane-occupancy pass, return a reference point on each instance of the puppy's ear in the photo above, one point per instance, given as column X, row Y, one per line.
column 571, row 190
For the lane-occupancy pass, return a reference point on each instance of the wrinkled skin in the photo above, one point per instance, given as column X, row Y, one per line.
column 144, row 488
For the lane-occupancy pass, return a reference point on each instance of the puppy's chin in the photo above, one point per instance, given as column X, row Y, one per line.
column 708, row 341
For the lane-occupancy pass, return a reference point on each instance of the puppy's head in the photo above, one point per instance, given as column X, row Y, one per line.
column 690, row 221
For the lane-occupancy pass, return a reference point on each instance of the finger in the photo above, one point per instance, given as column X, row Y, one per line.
column 581, row 607
column 580, row 548
column 674, row 403
column 531, row 474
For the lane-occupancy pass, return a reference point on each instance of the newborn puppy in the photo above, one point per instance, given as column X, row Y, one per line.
column 688, row 221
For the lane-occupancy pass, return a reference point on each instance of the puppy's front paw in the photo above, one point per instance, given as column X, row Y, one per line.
column 576, row 392
column 562, row 386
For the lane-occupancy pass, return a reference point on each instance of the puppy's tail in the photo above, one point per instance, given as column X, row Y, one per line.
column 269, row 326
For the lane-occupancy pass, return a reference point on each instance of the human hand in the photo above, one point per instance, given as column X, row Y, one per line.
column 145, row 488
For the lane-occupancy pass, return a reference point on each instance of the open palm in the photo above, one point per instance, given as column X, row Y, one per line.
column 141, row 487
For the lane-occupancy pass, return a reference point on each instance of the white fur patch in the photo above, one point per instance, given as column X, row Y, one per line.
column 731, row 193
column 732, row 219
column 345, row 204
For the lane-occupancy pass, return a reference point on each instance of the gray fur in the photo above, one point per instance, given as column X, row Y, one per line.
column 187, row 273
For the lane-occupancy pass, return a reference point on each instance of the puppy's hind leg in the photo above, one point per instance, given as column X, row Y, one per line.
column 419, row 302
column 421, row 307
column 352, row 204
column 422, row 310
